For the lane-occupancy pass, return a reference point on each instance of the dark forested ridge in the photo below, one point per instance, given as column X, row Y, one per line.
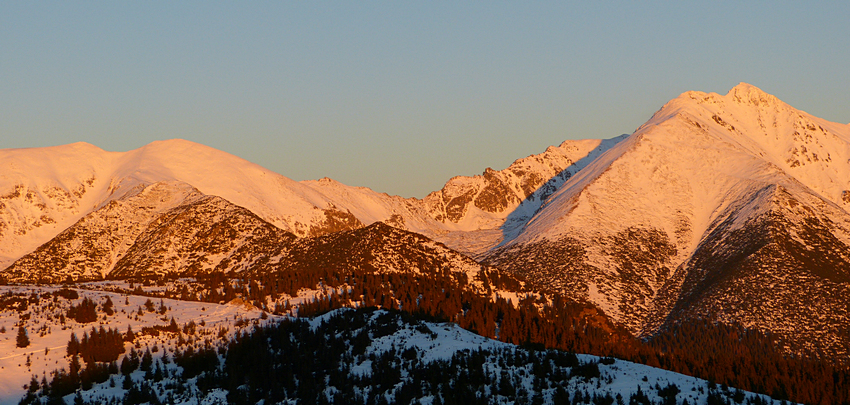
column 346, row 358
column 726, row 355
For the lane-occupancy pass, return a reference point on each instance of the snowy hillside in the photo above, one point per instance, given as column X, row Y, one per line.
column 91, row 247
column 41, row 311
column 411, row 349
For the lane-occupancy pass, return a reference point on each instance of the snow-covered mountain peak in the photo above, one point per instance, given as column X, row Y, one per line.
column 746, row 93
column 74, row 146
column 700, row 148
column 744, row 101
column 174, row 143
column 46, row 190
column 186, row 161
column 743, row 93
column 61, row 165
column 704, row 167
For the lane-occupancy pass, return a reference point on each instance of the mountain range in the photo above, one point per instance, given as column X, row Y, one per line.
column 729, row 208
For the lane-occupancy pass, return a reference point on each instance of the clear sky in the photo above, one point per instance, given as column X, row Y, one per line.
column 396, row 96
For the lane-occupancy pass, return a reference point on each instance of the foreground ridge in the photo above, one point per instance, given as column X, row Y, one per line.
column 362, row 354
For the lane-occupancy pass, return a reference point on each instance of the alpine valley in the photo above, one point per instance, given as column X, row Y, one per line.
column 713, row 242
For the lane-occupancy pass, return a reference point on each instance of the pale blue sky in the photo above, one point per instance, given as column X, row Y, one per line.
column 396, row 96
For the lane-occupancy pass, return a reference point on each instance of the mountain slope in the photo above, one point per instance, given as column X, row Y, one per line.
column 707, row 185
column 784, row 270
column 43, row 191
column 208, row 235
column 91, row 247
column 46, row 190
column 377, row 248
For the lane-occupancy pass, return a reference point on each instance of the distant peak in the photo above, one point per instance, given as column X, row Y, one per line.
column 74, row 148
column 178, row 146
column 742, row 86
column 176, row 142
column 81, row 146
column 745, row 93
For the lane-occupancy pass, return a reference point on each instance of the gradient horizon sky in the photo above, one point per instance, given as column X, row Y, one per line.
column 396, row 96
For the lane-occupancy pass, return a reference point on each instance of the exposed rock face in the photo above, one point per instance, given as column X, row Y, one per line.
column 783, row 271
column 488, row 200
column 90, row 248
column 206, row 236
column 377, row 248
column 335, row 221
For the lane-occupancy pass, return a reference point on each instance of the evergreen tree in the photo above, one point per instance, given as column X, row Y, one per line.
column 73, row 345
column 149, row 305
column 23, row 340
column 127, row 383
column 108, row 306
column 33, row 385
column 172, row 326
column 147, row 361
column 85, row 312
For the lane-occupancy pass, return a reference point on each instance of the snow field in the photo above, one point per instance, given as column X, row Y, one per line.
column 49, row 338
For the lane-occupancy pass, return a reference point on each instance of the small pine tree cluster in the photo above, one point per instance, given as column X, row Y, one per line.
column 84, row 312
column 99, row 345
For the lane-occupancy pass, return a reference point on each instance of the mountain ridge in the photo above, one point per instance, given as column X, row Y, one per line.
column 39, row 199
column 654, row 228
